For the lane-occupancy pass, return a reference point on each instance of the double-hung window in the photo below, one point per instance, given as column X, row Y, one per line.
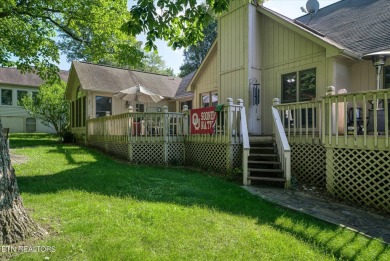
column 20, row 95
column 103, row 106
column 299, row 86
column 6, row 97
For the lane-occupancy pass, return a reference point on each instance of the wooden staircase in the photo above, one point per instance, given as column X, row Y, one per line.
column 264, row 166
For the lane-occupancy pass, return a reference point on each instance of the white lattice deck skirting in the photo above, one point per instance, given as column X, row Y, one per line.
column 222, row 158
column 361, row 176
column 308, row 163
column 356, row 175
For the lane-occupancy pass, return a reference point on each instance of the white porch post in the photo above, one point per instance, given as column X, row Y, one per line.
column 166, row 132
column 332, row 126
column 185, row 120
column 229, row 119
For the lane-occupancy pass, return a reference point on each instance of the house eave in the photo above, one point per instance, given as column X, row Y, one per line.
column 333, row 48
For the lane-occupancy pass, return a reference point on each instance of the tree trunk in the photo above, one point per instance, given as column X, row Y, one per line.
column 15, row 223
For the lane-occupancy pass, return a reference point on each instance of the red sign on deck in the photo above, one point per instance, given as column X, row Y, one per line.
column 203, row 120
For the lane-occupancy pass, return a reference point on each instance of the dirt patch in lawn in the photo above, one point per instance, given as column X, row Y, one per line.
column 17, row 158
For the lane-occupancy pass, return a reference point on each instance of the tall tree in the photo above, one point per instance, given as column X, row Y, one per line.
column 15, row 223
column 50, row 106
column 194, row 54
column 154, row 63
column 28, row 30
column 179, row 22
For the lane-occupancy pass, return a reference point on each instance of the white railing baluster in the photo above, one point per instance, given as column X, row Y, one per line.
column 375, row 111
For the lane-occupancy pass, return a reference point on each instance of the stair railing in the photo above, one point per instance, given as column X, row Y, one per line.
column 245, row 142
column 284, row 150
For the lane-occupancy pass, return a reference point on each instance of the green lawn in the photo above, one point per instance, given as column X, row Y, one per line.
column 96, row 208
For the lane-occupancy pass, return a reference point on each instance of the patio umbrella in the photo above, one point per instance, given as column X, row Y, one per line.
column 139, row 93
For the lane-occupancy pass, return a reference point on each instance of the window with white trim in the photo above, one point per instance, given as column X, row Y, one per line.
column 6, row 97
column 299, row 86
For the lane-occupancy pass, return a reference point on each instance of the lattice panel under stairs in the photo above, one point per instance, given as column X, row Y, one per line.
column 120, row 150
column 148, row 153
column 308, row 163
column 206, row 155
column 176, row 152
column 361, row 176
column 237, row 156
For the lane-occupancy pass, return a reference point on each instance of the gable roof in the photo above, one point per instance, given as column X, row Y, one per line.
column 361, row 26
column 181, row 91
column 94, row 77
column 13, row 76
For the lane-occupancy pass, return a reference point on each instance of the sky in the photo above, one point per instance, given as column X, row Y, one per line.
column 174, row 58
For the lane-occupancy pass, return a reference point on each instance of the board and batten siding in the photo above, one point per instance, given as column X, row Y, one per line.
column 363, row 76
column 233, row 52
column 284, row 51
column 207, row 80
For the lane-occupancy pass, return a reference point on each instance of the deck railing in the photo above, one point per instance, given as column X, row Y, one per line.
column 138, row 126
column 355, row 120
column 301, row 121
column 227, row 130
column 167, row 126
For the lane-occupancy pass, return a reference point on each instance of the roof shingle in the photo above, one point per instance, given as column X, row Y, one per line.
column 96, row 77
column 14, row 77
column 359, row 25
column 181, row 91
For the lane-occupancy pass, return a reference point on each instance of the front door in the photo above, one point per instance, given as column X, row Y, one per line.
column 254, row 121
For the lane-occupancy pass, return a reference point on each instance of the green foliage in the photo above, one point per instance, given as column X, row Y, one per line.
column 88, row 30
column 97, row 208
column 194, row 54
column 154, row 63
column 50, row 106
column 106, row 43
column 179, row 22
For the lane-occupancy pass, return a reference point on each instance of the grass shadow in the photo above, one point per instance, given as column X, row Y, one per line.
column 176, row 185
column 21, row 140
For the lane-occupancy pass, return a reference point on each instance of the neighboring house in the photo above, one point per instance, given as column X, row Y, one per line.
column 91, row 88
column 260, row 51
column 13, row 87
